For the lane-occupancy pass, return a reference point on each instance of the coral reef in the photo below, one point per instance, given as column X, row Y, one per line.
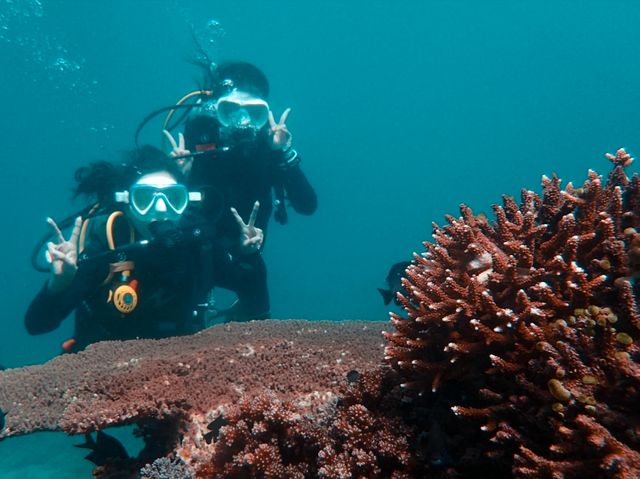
column 527, row 327
column 517, row 356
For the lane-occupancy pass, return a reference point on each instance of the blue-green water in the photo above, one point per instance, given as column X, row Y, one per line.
column 401, row 111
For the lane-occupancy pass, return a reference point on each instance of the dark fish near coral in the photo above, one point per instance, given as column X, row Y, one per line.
column 396, row 273
column 214, row 428
column 437, row 446
column 353, row 376
column 103, row 448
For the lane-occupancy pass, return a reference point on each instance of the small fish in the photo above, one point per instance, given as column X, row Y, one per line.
column 214, row 428
column 353, row 376
column 103, row 448
column 436, row 448
column 396, row 273
column 67, row 346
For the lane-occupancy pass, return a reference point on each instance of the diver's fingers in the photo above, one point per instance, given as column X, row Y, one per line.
column 181, row 141
column 255, row 239
column 70, row 259
column 253, row 243
column 258, row 238
column 56, row 229
column 238, row 218
column 254, row 213
column 256, row 235
column 284, row 116
column 54, row 253
column 174, row 146
column 76, row 231
column 272, row 120
column 48, row 257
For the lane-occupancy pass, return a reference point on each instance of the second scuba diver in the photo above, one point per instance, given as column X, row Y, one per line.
column 140, row 267
column 235, row 153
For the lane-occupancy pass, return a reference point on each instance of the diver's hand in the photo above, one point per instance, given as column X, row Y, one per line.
column 280, row 134
column 63, row 256
column 177, row 150
column 251, row 236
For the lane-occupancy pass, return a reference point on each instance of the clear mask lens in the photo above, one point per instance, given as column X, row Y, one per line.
column 143, row 198
column 242, row 113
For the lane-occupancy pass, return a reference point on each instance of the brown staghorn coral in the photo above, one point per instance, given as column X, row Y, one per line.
column 528, row 327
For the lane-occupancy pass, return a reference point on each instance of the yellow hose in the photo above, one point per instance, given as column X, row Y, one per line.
column 181, row 101
column 112, row 217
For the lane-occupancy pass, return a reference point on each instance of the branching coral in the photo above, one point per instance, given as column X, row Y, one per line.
column 534, row 318
column 163, row 468
column 353, row 437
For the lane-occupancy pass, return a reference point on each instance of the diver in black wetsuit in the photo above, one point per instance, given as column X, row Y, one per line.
column 141, row 267
column 242, row 156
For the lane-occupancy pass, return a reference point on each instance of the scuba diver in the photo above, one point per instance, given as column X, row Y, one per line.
column 138, row 266
column 234, row 152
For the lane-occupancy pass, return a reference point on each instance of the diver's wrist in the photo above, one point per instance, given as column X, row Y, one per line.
column 290, row 158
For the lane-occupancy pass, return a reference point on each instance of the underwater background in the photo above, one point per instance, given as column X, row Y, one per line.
column 400, row 110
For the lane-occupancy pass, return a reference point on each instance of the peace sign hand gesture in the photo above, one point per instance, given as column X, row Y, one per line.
column 63, row 256
column 280, row 135
column 251, row 236
column 177, row 150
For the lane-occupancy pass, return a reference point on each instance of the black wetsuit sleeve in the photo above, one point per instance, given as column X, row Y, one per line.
column 247, row 277
column 289, row 175
column 49, row 309
column 300, row 193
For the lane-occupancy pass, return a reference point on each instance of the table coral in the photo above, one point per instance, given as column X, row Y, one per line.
column 533, row 317
column 173, row 388
column 119, row 382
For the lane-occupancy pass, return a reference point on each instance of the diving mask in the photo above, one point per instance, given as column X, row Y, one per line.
column 157, row 197
column 242, row 110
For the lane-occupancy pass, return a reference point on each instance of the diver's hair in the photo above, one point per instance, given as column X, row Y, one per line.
column 243, row 75
column 101, row 179
column 149, row 159
column 96, row 179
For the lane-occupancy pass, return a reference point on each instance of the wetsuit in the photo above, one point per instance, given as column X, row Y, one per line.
column 236, row 174
column 173, row 273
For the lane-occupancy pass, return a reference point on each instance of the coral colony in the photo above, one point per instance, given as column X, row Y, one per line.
column 517, row 356
column 531, row 323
